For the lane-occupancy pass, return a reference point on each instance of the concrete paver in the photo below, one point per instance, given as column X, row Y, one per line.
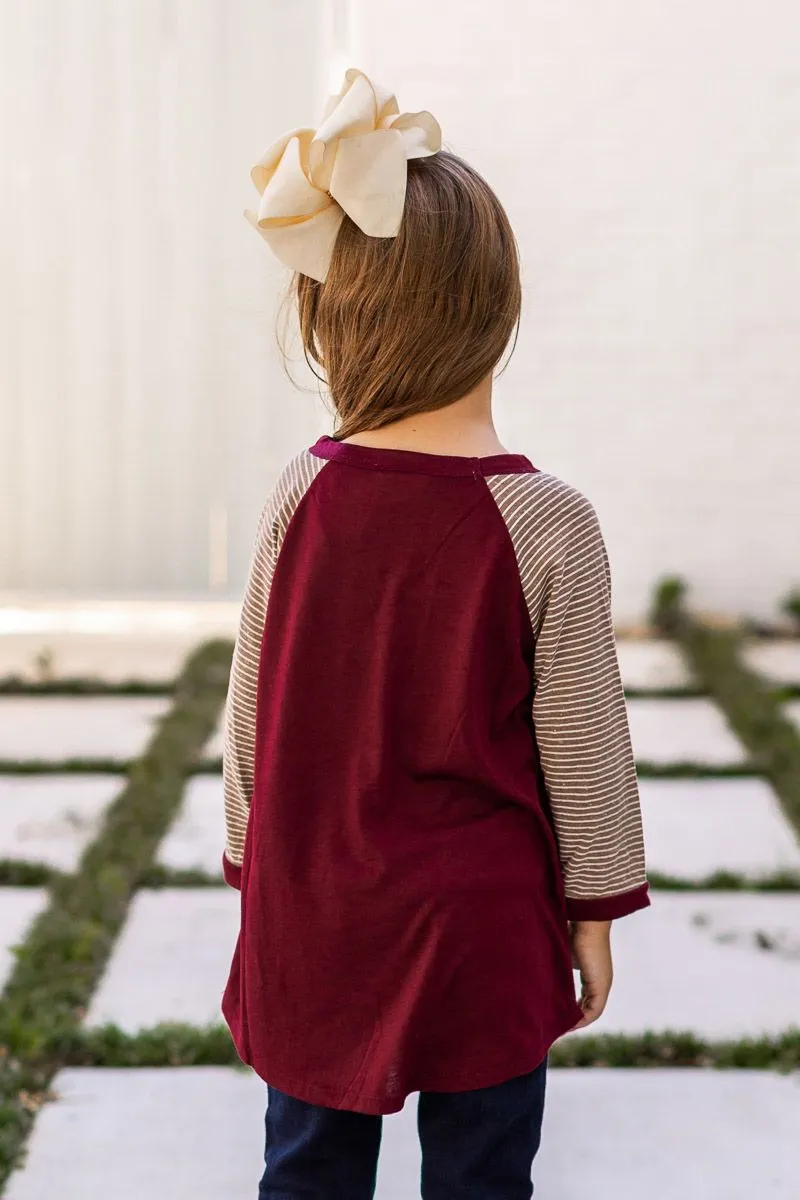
column 19, row 907
column 694, row 827
column 197, row 837
column 112, row 640
column 778, row 659
column 792, row 710
column 171, row 961
column 215, row 744
column 198, row 1132
column 59, row 727
column 51, row 818
column 655, row 663
column 107, row 657
column 721, row 965
column 689, row 730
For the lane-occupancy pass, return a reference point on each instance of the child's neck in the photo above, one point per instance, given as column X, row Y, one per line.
column 464, row 428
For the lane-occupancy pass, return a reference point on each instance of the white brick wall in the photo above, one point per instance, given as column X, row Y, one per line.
column 649, row 156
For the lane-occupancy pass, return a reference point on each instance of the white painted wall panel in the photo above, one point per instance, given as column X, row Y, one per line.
column 647, row 153
column 649, row 156
column 143, row 407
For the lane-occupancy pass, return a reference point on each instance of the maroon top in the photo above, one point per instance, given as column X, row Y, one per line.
column 404, row 925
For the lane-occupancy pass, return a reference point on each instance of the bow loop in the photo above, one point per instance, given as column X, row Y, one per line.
column 356, row 163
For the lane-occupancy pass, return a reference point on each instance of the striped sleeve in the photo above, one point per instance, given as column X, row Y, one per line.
column 579, row 714
column 238, row 757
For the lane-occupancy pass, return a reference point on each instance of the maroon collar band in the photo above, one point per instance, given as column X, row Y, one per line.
column 384, row 459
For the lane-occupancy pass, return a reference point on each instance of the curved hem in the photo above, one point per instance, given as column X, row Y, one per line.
column 382, row 1106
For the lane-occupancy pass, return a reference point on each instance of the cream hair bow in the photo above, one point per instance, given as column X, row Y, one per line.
column 355, row 163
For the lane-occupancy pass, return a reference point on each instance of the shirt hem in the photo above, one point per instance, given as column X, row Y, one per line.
column 371, row 1105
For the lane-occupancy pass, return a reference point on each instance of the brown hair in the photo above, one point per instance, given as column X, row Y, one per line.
column 412, row 323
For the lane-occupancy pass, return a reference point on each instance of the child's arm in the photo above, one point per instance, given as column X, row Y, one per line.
column 591, row 956
column 581, row 726
column 238, row 758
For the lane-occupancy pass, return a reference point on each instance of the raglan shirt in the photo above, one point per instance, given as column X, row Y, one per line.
column 427, row 772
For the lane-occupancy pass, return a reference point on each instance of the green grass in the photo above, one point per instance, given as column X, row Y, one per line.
column 61, row 960
column 23, row 1089
column 696, row 770
column 15, row 873
column 91, row 766
column 754, row 710
column 166, row 877
column 687, row 692
column 213, row 766
column 15, row 685
column 208, row 766
column 18, row 873
column 727, row 881
column 184, row 1046
column 676, row 1049
column 166, row 1045
column 65, row 766
column 791, row 606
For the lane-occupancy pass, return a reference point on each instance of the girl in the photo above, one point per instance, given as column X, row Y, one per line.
column 431, row 800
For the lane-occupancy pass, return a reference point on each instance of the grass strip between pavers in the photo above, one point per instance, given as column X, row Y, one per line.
column 753, row 709
column 686, row 691
column 62, row 958
column 157, row 877
column 91, row 766
column 15, row 685
column 186, row 1046
column 17, row 873
column 678, row 1049
column 65, row 766
column 696, row 770
column 726, row 881
column 213, row 766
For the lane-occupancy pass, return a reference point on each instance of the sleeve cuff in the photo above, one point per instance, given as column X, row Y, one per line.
column 609, row 908
column 232, row 873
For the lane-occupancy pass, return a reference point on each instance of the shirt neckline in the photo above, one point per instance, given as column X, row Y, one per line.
column 420, row 462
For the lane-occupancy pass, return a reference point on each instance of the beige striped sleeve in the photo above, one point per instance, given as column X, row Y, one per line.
column 238, row 758
column 579, row 713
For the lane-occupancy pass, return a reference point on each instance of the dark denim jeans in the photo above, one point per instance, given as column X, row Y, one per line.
column 476, row 1145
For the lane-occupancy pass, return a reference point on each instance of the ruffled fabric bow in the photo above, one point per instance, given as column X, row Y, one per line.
column 355, row 163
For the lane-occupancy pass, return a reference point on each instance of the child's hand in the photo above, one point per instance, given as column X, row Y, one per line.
column 591, row 956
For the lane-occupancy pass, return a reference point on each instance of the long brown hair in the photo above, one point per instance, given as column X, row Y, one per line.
column 412, row 323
